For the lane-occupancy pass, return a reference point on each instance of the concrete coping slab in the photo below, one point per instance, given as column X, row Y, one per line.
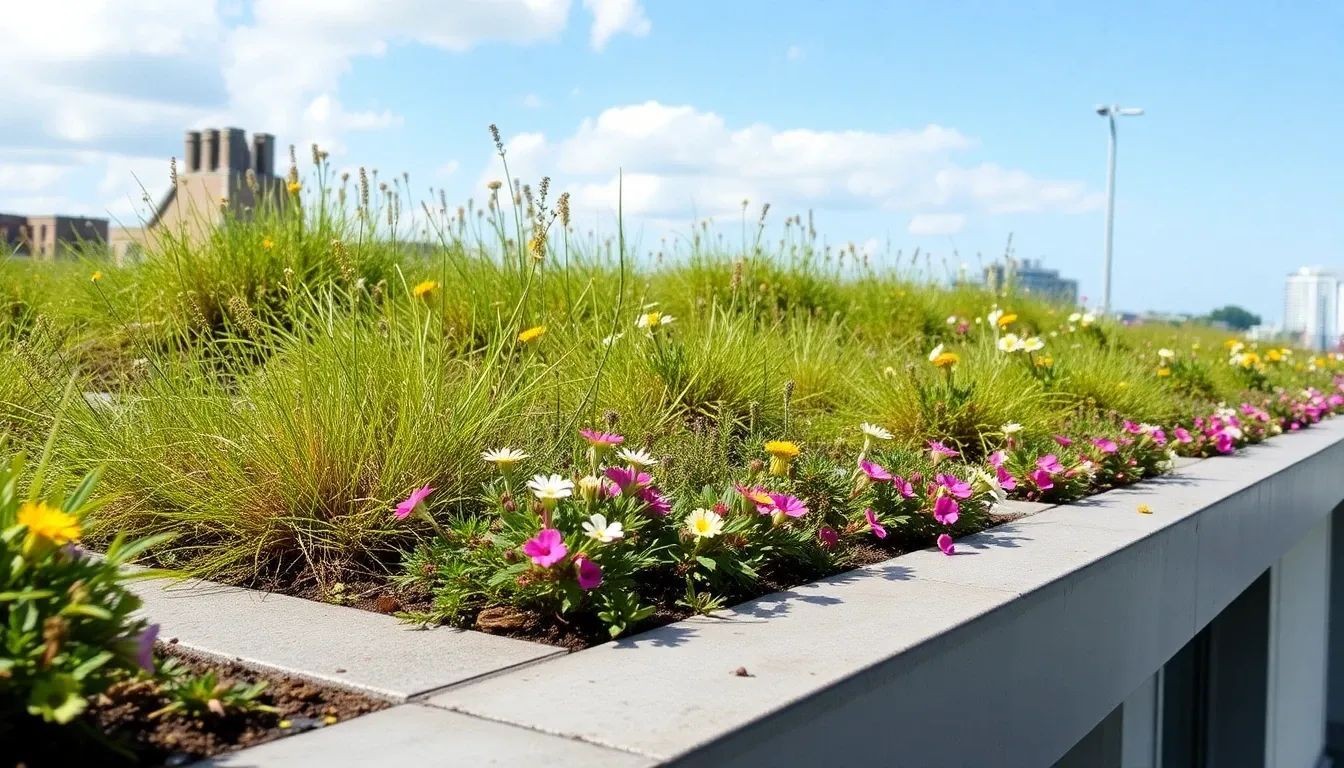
column 1075, row 603
column 414, row 734
column 337, row 645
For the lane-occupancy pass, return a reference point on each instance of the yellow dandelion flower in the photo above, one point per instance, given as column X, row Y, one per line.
column 267, row 243
column 1007, row 320
column 1144, row 509
column 48, row 523
column 424, row 288
column 1045, row 361
column 1164, row 371
column 96, row 276
column 294, row 187
column 532, row 334
column 781, row 453
column 946, row 359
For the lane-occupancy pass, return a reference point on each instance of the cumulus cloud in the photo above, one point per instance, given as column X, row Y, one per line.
column 936, row 224
column 289, row 61
column 122, row 78
column 614, row 17
column 675, row 161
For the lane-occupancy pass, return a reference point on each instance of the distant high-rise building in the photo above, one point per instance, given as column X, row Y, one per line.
column 1031, row 277
column 1312, row 307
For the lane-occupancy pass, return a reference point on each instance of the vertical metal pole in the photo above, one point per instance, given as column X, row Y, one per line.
column 1110, row 217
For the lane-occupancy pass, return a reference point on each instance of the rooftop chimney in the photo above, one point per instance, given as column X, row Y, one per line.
column 263, row 154
column 232, row 150
column 192, row 156
column 210, row 150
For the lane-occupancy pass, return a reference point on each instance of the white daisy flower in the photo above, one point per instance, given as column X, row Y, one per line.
column 551, row 487
column 599, row 529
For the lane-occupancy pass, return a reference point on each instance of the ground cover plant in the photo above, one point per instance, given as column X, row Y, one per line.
column 83, row 678
column 487, row 417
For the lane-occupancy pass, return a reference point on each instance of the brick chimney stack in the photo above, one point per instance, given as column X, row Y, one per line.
column 233, row 155
column 210, row 149
column 263, row 154
column 192, row 155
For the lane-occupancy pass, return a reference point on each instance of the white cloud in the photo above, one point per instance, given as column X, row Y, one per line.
column 672, row 162
column 29, row 177
column 936, row 224
column 614, row 17
column 285, row 67
column 448, row 169
column 532, row 101
column 121, row 79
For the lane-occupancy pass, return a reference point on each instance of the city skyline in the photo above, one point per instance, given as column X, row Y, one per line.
column 982, row 138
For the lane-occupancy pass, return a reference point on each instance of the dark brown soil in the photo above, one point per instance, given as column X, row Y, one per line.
column 371, row 593
column 577, row 634
column 116, row 730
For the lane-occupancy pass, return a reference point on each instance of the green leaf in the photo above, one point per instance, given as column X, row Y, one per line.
column 84, row 669
column 708, row 562
column 85, row 609
column 26, row 594
column 77, row 500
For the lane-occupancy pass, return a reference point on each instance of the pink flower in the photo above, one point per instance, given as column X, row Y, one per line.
column 1182, row 435
column 877, row 528
column 998, row 458
column 1006, row 481
column 1105, row 445
column 405, row 508
column 1063, row 441
column 785, row 504
column 829, row 538
column 658, row 503
column 755, row 494
column 946, row 545
column 546, row 548
column 144, row 647
column 589, row 573
column 599, row 439
column 1158, row 436
column 1042, row 480
column 874, row 472
column 903, row 487
column 955, row 486
column 946, row 510
column 1049, row 463
column 628, row 480
column 938, row 451
column 1133, row 428
column 1224, row 442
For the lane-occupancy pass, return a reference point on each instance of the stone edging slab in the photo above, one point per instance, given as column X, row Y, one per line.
column 943, row 660
column 337, row 645
column 938, row 660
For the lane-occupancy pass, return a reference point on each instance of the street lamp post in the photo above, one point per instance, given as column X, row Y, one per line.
column 1110, row 112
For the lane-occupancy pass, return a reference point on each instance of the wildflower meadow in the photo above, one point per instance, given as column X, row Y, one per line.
column 488, row 416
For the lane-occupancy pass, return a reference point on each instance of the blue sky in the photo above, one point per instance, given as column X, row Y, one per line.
column 944, row 126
